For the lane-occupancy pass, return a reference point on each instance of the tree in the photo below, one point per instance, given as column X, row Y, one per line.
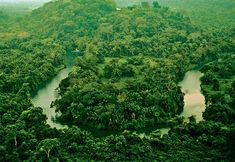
column 47, row 145
column 156, row 5
column 33, row 117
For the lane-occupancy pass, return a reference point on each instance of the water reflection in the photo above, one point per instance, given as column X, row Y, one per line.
column 48, row 94
column 194, row 101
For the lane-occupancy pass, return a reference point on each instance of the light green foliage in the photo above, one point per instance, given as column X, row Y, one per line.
column 210, row 14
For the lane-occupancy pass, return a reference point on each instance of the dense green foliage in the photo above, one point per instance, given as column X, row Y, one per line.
column 125, row 80
column 210, row 14
column 22, row 63
column 218, row 86
column 118, row 94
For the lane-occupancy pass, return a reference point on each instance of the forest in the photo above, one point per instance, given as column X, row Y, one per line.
column 123, row 85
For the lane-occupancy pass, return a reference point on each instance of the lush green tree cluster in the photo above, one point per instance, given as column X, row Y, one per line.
column 66, row 22
column 27, row 60
column 218, row 86
column 118, row 94
column 126, row 78
column 211, row 14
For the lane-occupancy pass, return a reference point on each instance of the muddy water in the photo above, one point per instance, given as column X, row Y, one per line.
column 194, row 100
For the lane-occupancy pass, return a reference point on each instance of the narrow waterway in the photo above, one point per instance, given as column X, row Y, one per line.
column 194, row 100
column 47, row 94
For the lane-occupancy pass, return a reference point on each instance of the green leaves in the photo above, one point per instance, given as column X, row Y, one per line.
column 33, row 117
column 48, row 145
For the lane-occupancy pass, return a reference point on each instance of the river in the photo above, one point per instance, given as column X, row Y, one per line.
column 194, row 101
column 47, row 94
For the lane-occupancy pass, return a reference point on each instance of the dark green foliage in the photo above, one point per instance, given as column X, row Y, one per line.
column 220, row 76
column 125, row 79
column 22, row 63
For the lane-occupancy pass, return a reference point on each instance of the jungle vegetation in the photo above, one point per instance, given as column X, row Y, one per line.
column 125, row 80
